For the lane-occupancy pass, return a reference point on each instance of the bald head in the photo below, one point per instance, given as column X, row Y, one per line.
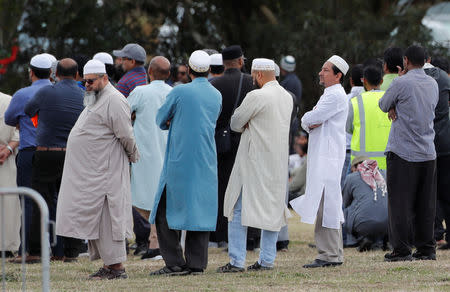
column 67, row 69
column 159, row 68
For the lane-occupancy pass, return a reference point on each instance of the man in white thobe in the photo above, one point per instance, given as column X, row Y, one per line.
column 145, row 101
column 256, row 191
column 95, row 199
column 322, row 201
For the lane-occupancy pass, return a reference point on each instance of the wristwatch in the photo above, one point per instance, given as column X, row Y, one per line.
column 10, row 149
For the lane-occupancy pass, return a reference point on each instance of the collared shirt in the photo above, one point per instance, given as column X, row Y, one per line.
column 414, row 97
column 355, row 91
column 15, row 114
column 58, row 107
column 387, row 80
column 135, row 77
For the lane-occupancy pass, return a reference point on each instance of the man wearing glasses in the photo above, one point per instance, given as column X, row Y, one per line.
column 133, row 59
column 95, row 198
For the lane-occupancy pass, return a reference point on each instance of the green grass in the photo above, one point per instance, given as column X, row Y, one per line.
column 360, row 272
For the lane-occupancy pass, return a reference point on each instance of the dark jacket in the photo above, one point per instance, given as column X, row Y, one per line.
column 441, row 119
column 228, row 86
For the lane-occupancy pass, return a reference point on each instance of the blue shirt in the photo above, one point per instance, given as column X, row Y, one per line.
column 293, row 84
column 15, row 114
column 58, row 107
column 414, row 97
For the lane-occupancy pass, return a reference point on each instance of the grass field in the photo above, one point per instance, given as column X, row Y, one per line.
column 360, row 272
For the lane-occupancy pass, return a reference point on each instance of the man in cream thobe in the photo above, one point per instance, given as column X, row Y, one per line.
column 145, row 101
column 256, row 191
column 322, row 201
column 10, row 207
column 95, row 199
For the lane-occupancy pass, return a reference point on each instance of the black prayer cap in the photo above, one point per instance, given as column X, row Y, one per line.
column 232, row 52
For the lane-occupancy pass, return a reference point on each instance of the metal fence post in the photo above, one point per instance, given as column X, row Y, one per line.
column 45, row 244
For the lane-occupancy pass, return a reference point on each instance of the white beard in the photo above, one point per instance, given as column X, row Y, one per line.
column 90, row 98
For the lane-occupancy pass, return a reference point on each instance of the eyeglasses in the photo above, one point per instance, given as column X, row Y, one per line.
column 91, row 81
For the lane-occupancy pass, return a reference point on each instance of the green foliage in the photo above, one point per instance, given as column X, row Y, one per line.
column 311, row 31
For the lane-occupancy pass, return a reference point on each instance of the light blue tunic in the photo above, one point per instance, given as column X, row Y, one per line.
column 146, row 100
column 190, row 164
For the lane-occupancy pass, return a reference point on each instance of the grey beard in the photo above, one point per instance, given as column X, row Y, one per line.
column 90, row 98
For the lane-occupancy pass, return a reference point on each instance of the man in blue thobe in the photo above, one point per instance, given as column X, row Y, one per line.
column 187, row 195
column 145, row 102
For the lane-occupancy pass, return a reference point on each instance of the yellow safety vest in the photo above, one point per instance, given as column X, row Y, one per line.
column 371, row 127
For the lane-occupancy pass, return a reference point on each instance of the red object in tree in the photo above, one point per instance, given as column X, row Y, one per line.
column 6, row 61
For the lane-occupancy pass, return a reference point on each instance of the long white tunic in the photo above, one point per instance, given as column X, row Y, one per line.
column 96, row 170
column 261, row 164
column 146, row 100
column 11, row 204
column 326, row 155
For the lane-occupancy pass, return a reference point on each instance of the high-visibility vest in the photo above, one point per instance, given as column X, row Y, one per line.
column 371, row 127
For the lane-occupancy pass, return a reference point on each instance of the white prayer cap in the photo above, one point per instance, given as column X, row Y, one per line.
column 199, row 61
column 216, row 60
column 41, row 61
column 94, row 67
column 339, row 62
column 262, row 64
column 103, row 57
column 50, row 56
column 277, row 70
column 288, row 63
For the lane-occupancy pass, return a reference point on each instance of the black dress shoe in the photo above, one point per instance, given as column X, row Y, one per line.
column 320, row 264
column 444, row 246
column 418, row 256
column 152, row 254
column 396, row 257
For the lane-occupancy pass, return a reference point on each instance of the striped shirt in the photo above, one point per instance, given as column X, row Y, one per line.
column 135, row 77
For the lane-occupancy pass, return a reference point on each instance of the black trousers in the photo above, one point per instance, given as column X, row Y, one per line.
column 24, row 164
column 196, row 247
column 225, row 162
column 411, row 204
column 46, row 179
column 443, row 190
column 141, row 229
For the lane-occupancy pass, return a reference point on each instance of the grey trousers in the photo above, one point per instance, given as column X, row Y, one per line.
column 328, row 241
column 105, row 248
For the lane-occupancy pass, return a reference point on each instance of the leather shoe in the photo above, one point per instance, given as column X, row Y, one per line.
column 395, row 257
column 418, row 256
column 321, row 264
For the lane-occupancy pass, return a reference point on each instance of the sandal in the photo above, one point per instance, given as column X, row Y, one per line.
column 170, row 271
column 102, row 273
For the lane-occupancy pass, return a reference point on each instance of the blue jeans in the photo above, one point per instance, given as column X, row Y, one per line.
column 237, row 240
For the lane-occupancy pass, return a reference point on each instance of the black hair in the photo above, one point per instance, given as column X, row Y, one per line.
column 70, row 71
column 110, row 70
column 373, row 75
column 81, row 61
column 393, row 57
column 442, row 63
column 217, row 69
column 41, row 73
column 198, row 74
column 415, row 55
column 336, row 71
column 373, row 62
column 357, row 74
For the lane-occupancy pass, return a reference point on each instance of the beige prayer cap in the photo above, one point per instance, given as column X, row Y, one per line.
column 340, row 63
column 199, row 61
column 94, row 67
column 263, row 64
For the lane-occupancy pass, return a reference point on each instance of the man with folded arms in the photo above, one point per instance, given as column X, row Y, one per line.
column 256, row 192
column 411, row 160
column 95, row 197
column 322, row 202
